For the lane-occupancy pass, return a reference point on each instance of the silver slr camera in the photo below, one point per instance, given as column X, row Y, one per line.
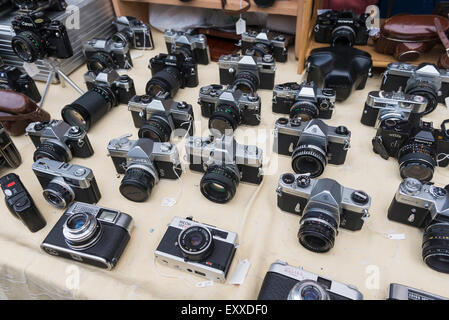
column 197, row 248
column 401, row 292
column 134, row 31
column 264, row 42
column 111, row 53
column 188, row 43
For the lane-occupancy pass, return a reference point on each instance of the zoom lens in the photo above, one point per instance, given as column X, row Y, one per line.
column 225, row 118
column 166, row 80
column 424, row 89
column 81, row 231
column 59, row 194
column 28, row 46
column 220, row 183
column 309, row 159
column 52, row 150
column 317, row 231
column 247, row 82
column 304, row 111
column 308, row 290
column 99, row 62
column 435, row 247
column 196, row 243
column 157, row 129
column 416, row 161
column 137, row 183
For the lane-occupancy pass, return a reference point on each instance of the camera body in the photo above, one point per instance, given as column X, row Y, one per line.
column 381, row 105
column 262, row 43
column 33, row 5
column 109, row 53
column 11, row 78
column 254, row 72
column 135, row 32
column 64, row 183
column 9, row 155
column 218, row 249
column 304, row 101
column 401, row 292
column 333, row 26
column 286, row 282
column 105, row 232
column 193, row 45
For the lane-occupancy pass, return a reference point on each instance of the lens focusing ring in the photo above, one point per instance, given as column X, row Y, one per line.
column 246, row 82
column 219, row 183
column 157, row 129
column 196, row 243
column 225, row 117
column 28, row 46
column 305, row 110
column 308, row 290
column 416, row 161
column 99, row 62
column 166, row 80
column 317, row 231
column 426, row 90
column 435, row 247
column 52, row 150
column 81, row 231
column 137, row 183
column 58, row 193
column 309, row 159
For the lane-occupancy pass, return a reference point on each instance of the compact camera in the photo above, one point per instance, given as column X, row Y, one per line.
column 303, row 101
column 56, row 140
column 425, row 206
column 64, row 183
column 227, row 108
column 11, row 78
column 262, row 43
column 188, row 43
column 158, row 117
column 143, row 162
column 285, row 282
column 133, row 31
column 225, row 164
column 90, row 234
column 312, row 144
column 418, row 148
column 324, row 205
column 34, row 5
column 9, row 155
column 111, row 53
column 423, row 80
column 381, row 105
column 401, row 292
column 343, row 27
column 197, row 248
column 39, row 37
column 247, row 73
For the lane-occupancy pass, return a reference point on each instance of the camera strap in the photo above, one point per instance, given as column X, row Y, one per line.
column 235, row 12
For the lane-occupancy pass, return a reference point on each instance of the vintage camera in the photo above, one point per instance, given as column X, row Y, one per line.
column 324, row 205
column 418, row 148
column 197, row 248
column 40, row 5
column 64, row 183
column 303, row 101
column 111, row 53
column 227, row 108
column 425, row 206
column 90, row 234
column 106, row 90
column 225, row 164
column 341, row 28
column 158, row 117
column 312, row 144
column 171, row 72
column 424, row 80
column 11, row 78
column 9, row 155
column 133, row 31
column 58, row 141
column 262, row 43
column 144, row 162
column 188, row 43
column 247, row 73
column 39, row 37
column 285, row 282
column 382, row 105
column 401, row 292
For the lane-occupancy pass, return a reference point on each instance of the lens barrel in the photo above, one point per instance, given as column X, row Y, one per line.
column 309, row 159
column 137, row 184
column 304, row 110
column 58, row 195
column 157, row 129
column 219, row 184
column 317, row 231
column 196, row 243
column 416, row 161
column 224, row 118
column 247, row 82
column 81, row 231
column 435, row 247
column 28, row 46
column 166, row 80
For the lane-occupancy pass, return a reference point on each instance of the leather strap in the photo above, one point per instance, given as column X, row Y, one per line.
column 441, row 34
column 235, row 12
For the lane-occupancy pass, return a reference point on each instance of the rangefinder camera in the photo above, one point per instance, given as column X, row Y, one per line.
column 225, row 164
column 286, row 282
column 247, row 73
column 324, row 206
column 111, row 53
column 58, row 141
column 312, row 144
column 381, row 105
column 401, row 292
column 9, row 154
column 192, row 45
column 64, row 183
column 90, row 234
column 134, row 32
column 303, row 101
column 227, row 108
column 261, row 43
column 197, row 248
column 11, row 78
column 159, row 117
column 144, row 162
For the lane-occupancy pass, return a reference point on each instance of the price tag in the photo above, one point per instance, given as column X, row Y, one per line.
column 204, row 284
column 168, row 202
column 31, row 69
column 239, row 274
column 240, row 26
column 396, row 236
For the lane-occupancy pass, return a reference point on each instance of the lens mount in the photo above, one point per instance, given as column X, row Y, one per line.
column 99, row 62
column 343, row 35
column 166, row 80
column 157, row 128
column 58, row 193
column 304, row 110
column 138, row 182
column 317, row 231
column 309, row 159
column 247, row 82
column 219, row 183
column 28, row 46
column 81, row 231
column 435, row 247
column 54, row 150
column 196, row 243
column 417, row 161
column 224, row 118
column 308, row 290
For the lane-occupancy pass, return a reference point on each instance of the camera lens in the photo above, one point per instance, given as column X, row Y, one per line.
column 196, row 243
column 137, row 183
column 99, row 62
column 225, row 117
column 166, row 80
column 89, row 108
column 59, row 194
column 308, row 290
column 424, row 89
column 156, row 129
column 309, row 159
column 435, row 247
column 219, row 183
column 317, row 231
column 261, row 49
column 81, row 231
column 304, row 110
column 28, row 46
column 52, row 150
column 416, row 161
column 343, row 35
column 247, row 82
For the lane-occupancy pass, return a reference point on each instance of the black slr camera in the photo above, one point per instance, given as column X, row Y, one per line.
column 56, row 140
column 11, row 78
column 64, row 183
column 324, row 206
column 106, row 90
column 134, row 32
column 262, row 43
column 312, row 144
column 227, row 108
column 285, row 282
column 303, row 101
column 158, row 117
column 90, row 234
column 424, row 80
column 343, row 27
column 425, row 206
column 9, row 155
column 111, row 53
column 38, row 37
column 189, row 44
column 41, row 5
column 418, row 148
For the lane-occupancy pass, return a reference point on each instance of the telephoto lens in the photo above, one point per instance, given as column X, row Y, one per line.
column 166, row 80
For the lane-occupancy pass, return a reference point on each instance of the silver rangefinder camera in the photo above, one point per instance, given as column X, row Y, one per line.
column 401, row 292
